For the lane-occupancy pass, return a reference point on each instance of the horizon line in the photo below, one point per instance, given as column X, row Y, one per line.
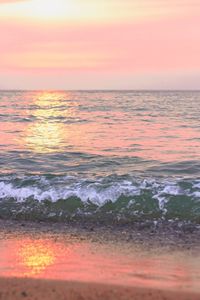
column 98, row 90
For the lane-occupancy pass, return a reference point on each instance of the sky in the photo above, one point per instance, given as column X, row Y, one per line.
column 99, row 44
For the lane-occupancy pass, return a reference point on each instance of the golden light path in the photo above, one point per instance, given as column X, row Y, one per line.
column 46, row 134
column 57, row 127
column 45, row 137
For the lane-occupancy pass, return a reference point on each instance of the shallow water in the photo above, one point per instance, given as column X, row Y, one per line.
column 64, row 258
column 131, row 155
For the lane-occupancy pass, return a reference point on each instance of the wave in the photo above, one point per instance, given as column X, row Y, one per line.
column 51, row 197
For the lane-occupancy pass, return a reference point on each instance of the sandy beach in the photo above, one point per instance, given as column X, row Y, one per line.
column 58, row 261
column 13, row 288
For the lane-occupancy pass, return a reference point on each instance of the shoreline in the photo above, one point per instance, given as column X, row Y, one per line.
column 75, row 261
column 173, row 235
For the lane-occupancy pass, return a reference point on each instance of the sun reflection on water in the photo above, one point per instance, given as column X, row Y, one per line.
column 47, row 133
column 45, row 137
column 69, row 121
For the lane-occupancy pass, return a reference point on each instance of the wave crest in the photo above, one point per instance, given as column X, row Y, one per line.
column 114, row 196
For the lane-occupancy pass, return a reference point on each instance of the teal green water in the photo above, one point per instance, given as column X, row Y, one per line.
column 101, row 155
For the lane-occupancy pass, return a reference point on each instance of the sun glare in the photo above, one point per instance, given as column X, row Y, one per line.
column 50, row 8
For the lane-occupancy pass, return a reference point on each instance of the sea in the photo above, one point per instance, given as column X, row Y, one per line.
column 100, row 156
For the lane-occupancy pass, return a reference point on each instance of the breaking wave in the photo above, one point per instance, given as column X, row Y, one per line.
column 53, row 197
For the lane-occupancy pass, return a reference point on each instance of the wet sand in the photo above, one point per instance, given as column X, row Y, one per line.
column 49, row 261
column 14, row 288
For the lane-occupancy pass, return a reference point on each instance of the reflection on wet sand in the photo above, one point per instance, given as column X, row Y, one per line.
column 36, row 256
column 86, row 261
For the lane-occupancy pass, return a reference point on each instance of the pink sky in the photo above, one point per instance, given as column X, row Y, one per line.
column 97, row 44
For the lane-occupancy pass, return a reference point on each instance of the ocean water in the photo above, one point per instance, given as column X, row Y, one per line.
column 100, row 155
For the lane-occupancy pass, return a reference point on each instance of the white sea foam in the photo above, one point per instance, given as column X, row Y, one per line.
column 97, row 192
